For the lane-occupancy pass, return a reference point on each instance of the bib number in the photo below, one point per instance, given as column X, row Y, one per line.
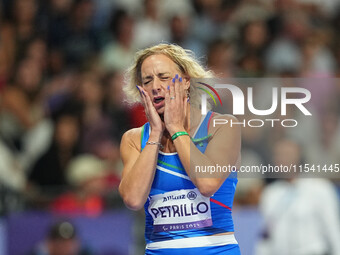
column 180, row 210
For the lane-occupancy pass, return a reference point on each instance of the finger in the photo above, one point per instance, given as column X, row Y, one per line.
column 144, row 102
column 178, row 89
column 172, row 89
column 141, row 93
column 167, row 96
column 185, row 99
column 182, row 91
column 185, row 104
column 150, row 106
column 145, row 96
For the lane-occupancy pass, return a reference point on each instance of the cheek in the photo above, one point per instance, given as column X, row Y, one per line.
column 148, row 87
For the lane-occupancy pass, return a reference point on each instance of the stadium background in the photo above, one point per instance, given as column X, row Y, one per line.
column 62, row 111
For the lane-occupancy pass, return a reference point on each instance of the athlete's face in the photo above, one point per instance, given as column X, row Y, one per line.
column 157, row 74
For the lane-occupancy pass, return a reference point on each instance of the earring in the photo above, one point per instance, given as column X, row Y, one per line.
column 188, row 95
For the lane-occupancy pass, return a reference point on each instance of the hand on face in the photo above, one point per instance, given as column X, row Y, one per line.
column 163, row 93
column 153, row 117
column 175, row 106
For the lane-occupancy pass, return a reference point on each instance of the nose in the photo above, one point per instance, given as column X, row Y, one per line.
column 156, row 86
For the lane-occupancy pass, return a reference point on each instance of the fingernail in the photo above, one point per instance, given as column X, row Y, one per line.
column 176, row 77
column 138, row 90
column 180, row 79
column 168, row 87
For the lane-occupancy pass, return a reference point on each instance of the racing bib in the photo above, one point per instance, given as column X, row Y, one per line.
column 180, row 210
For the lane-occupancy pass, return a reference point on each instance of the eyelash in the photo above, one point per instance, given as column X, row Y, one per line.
column 162, row 78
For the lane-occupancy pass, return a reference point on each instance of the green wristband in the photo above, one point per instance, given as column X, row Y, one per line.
column 177, row 134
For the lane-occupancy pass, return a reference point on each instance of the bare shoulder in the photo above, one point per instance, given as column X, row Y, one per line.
column 132, row 138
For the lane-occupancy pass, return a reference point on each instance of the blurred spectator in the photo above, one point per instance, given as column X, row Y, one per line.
column 181, row 34
column 48, row 176
column 96, row 126
column 78, row 40
column 250, row 185
column 61, row 239
column 207, row 22
column 327, row 149
column 327, row 7
column 119, row 53
column 121, row 116
column 254, row 38
column 301, row 215
column 37, row 51
column 22, row 120
column 22, row 106
column 251, row 48
column 250, row 66
column 65, row 60
column 150, row 29
column 284, row 53
column 11, row 174
column 91, row 181
column 317, row 59
column 220, row 59
column 25, row 25
column 7, row 52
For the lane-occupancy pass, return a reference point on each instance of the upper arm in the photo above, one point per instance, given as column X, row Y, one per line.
column 222, row 152
column 130, row 148
column 225, row 145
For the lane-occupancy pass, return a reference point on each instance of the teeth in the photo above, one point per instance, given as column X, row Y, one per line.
column 158, row 99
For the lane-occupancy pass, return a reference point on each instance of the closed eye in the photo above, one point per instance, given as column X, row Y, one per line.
column 145, row 83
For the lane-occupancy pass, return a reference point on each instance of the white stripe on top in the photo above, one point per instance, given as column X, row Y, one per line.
column 172, row 172
column 193, row 242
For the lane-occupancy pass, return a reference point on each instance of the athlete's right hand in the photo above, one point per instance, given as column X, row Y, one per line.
column 155, row 121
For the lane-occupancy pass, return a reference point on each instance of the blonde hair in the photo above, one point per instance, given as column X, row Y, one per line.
column 184, row 59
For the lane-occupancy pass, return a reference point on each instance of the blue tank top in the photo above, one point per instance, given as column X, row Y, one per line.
column 175, row 208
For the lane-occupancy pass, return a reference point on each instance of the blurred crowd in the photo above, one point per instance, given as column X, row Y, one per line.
column 62, row 65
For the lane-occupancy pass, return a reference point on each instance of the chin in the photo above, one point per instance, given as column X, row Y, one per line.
column 160, row 113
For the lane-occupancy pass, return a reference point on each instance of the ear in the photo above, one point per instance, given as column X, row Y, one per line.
column 186, row 80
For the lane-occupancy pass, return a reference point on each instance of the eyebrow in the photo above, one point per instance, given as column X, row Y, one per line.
column 147, row 77
column 162, row 74
column 151, row 76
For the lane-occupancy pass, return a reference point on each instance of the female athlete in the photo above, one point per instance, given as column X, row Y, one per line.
column 186, row 212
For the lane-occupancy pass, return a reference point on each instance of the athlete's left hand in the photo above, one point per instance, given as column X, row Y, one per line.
column 175, row 106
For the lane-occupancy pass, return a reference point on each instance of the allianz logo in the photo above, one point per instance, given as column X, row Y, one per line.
column 172, row 197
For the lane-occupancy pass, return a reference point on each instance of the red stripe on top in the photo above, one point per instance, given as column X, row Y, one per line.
column 210, row 120
column 219, row 203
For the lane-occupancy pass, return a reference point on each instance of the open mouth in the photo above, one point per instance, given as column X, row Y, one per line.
column 157, row 100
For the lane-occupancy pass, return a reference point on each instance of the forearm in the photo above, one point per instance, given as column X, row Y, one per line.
column 223, row 150
column 136, row 183
column 191, row 157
